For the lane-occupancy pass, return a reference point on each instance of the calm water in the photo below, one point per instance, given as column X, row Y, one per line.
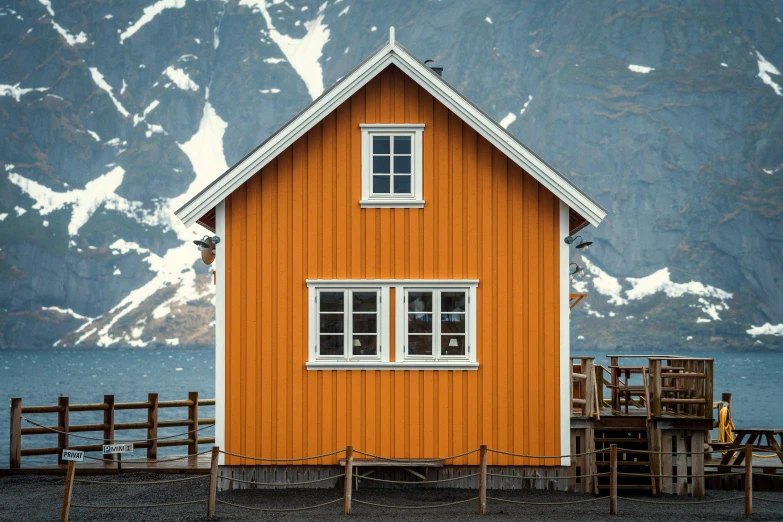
column 39, row 377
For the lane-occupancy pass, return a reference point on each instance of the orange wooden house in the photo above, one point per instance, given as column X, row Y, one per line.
column 392, row 275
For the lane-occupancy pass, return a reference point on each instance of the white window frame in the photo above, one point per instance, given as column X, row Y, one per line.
column 314, row 355
column 415, row 199
column 383, row 361
column 401, row 330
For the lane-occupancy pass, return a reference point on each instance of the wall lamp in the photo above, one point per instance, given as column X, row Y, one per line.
column 207, row 247
column 578, row 270
column 580, row 243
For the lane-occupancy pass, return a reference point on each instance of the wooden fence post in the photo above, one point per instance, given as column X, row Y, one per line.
column 15, row 456
column 483, row 480
column 193, row 418
column 709, row 390
column 108, row 423
column 348, row 480
column 152, row 431
column 748, row 479
column 613, row 479
column 62, row 425
column 213, row 478
column 66, row 512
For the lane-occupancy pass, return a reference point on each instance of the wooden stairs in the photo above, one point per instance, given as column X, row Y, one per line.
column 627, row 434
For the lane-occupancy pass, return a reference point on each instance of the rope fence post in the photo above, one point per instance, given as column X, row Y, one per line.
column 483, row 480
column 613, row 479
column 193, row 423
column 15, row 457
column 152, row 420
column 348, row 480
column 108, row 423
column 748, row 479
column 62, row 422
column 68, row 493
column 213, row 478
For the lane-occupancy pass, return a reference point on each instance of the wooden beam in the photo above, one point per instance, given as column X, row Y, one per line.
column 68, row 493
column 15, row 460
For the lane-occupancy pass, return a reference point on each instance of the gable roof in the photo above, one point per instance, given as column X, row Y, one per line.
column 391, row 53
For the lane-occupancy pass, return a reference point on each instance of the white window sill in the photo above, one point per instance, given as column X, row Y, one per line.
column 392, row 203
column 378, row 365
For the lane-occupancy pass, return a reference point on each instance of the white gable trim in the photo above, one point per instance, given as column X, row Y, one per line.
column 391, row 53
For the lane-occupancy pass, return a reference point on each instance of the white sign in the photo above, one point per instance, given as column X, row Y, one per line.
column 117, row 448
column 77, row 456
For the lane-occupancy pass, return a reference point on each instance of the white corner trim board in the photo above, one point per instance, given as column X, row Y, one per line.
column 220, row 330
column 388, row 54
column 565, row 338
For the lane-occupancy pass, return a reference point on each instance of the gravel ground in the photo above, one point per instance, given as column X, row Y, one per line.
column 40, row 498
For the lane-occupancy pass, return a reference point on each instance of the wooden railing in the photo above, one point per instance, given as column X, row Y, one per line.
column 108, row 428
column 584, row 392
column 655, row 386
column 682, row 386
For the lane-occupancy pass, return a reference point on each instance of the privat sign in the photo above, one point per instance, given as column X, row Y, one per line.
column 76, row 456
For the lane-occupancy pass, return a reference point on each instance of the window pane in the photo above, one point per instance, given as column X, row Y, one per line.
column 380, row 144
column 331, row 345
column 365, row 345
column 452, row 323
column 365, row 301
column 381, row 185
column 331, row 301
column 402, row 164
column 402, row 144
column 452, row 301
column 402, row 184
column 331, row 323
column 420, row 301
column 452, row 345
column 419, row 345
column 420, row 323
column 365, row 323
column 380, row 165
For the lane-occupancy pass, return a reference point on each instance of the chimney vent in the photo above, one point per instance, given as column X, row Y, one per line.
column 437, row 69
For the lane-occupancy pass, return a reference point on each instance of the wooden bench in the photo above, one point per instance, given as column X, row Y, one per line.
column 406, row 464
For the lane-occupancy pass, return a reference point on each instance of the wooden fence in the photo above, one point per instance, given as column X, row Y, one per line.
column 108, row 428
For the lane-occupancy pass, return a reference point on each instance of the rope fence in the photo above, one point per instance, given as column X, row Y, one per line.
column 112, row 440
column 349, row 475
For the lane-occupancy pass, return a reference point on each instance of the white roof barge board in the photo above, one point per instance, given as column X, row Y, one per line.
column 391, row 53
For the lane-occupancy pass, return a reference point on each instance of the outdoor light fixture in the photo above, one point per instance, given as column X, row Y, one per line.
column 577, row 271
column 207, row 247
column 581, row 244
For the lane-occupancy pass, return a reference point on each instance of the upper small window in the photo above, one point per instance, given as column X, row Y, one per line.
column 391, row 165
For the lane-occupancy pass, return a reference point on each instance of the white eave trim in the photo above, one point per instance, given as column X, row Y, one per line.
column 391, row 53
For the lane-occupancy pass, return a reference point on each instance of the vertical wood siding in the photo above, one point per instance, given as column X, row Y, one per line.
column 484, row 218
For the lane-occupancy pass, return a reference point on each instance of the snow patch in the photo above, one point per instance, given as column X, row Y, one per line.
column 116, row 271
column 71, row 39
column 180, row 79
column 765, row 69
column 274, row 60
column 344, row 11
column 173, row 342
column 97, row 77
column 302, row 53
column 488, row 20
column 3, row 216
column 94, row 135
column 722, row 64
column 205, row 151
column 640, row 69
column 66, row 311
column 373, row 29
column 508, row 120
column 19, row 211
column 524, row 107
column 149, row 13
column 17, row 92
column 605, row 284
column 766, row 329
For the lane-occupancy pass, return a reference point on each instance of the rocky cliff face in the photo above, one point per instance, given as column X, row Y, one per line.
column 113, row 113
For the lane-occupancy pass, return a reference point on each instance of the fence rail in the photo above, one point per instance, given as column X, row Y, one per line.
column 348, row 500
column 66, row 430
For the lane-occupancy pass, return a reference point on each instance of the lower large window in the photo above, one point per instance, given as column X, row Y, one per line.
column 350, row 323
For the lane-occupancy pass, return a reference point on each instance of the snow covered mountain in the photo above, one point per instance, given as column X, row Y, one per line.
column 113, row 113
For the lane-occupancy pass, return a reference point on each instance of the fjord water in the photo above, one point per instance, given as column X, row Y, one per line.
column 39, row 376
